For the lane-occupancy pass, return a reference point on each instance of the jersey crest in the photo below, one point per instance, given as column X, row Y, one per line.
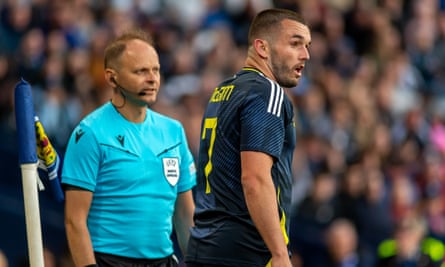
column 171, row 170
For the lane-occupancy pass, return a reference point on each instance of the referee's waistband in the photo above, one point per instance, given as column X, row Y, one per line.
column 133, row 260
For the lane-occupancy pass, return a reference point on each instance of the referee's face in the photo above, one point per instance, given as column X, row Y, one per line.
column 289, row 52
column 139, row 73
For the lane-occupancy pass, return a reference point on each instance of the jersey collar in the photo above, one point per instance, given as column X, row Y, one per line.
column 252, row 69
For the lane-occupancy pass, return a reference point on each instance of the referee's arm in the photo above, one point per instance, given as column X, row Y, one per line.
column 77, row 206
column 183, row 218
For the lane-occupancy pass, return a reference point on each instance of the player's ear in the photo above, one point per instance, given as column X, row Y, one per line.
column 261, row 47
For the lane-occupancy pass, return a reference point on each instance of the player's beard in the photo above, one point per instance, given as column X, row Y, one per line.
column 284, row 74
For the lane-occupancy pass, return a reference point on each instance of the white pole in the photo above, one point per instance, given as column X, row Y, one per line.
column 32, row 212
column 28, row 160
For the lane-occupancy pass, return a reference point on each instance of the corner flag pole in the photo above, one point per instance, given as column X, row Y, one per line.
column 24, row 113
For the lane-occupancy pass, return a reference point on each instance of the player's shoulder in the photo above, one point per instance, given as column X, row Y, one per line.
column 254, row 82
column 251, row 76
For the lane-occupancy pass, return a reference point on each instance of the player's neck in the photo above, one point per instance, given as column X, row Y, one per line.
column 259, row 65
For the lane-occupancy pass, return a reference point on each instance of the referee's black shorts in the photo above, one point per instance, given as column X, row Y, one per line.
column 108, row 260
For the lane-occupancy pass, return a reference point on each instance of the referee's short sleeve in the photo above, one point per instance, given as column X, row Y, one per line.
column 81, row 162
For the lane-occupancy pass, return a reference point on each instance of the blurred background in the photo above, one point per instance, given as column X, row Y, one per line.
column 369, row 167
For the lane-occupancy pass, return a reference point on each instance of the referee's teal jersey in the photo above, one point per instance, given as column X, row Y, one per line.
column 248, row 112
column 136, row 171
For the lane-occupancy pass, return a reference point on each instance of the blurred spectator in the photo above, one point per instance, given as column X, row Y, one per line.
column 315, row 148
column 342, row 245
column 373, row 217
column 16, row 20
column 313, row 114
column 341, row 134
column 350, row 190
column 410, row 246
column 341, row 50
column 311, row 219
column 431, row 184
column 32, row 56
column 435, row 217
column 404, row 197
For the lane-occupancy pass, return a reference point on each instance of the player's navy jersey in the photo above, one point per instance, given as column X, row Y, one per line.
column 247, row 112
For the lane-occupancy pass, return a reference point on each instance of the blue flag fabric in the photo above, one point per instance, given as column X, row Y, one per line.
column 24, row 111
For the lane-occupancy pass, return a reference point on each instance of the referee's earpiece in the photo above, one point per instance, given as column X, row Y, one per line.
column 113, row 80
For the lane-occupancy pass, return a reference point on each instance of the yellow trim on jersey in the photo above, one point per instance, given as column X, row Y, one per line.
column 252, row 69
column 283, row 220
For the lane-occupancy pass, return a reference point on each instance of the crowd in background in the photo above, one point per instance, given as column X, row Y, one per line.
column 370, row 110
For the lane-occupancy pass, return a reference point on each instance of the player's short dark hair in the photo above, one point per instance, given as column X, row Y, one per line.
column 115, row 49
column 269, row 21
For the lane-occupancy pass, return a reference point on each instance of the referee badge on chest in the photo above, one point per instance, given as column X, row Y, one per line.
column 171, row 170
